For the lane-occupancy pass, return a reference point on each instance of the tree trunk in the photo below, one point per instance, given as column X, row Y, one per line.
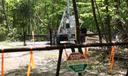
column 77, row 22
column 77, row 27
column 126, row 2
column 96, row 22
column 5, row 14
column 117, row 5
column 100, row 18
column 24, row 36
column 107, row 23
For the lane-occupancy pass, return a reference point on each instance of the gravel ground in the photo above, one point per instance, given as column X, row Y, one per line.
column 45, row 61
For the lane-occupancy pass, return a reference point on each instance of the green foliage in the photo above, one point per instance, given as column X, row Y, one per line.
column 41, row 15
column 3, row 33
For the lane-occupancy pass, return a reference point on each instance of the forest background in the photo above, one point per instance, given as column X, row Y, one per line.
column 19, row 17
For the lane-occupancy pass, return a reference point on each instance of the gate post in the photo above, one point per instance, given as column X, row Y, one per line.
column 59, row 62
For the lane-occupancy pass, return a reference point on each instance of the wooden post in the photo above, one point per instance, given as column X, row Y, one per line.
column 50, row 31
column 77, row 27
column 24, row 34
column 77, row 21
column 59, row 62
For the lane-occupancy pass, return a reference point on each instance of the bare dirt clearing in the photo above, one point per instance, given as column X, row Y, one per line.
column 46, row 61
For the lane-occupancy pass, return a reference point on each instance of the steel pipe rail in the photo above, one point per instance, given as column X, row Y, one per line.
column 62, row 46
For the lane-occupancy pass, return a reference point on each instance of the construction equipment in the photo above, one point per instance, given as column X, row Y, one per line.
column 67, row 27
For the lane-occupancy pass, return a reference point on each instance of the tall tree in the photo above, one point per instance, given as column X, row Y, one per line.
column 5, row 14
column 107, row 22
column 117, row 5
column 95, row 19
